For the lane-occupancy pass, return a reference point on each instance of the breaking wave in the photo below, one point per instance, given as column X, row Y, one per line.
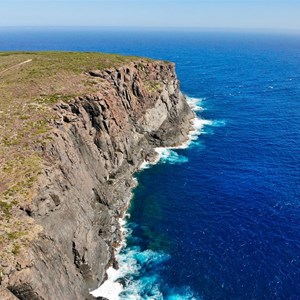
column 138, row 276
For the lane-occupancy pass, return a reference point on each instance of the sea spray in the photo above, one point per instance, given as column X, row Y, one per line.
column 166, row 154
column 195, row 103
column 129, row 281
column 139, row 275
column 111, row 288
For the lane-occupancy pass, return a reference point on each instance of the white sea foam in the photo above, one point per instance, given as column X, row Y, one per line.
column 139, row 285
column 110, row 289
column 145, row 165
column 132, row 260
column 195, row 103
column 167, row 154
column 218, row 123
column 170, row 156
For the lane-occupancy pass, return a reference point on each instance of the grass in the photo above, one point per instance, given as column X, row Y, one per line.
column 5, row 208
column 153, row 86
column 28, row 93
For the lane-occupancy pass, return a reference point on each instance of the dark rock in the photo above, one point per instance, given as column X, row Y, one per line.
column 96, row 73
column 86, row 187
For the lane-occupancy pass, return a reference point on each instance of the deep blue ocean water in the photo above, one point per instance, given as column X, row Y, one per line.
column 221, row 219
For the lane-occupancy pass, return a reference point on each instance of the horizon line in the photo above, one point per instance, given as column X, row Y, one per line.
column 167, row 28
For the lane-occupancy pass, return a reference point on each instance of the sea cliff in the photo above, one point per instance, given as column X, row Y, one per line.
column 94, row 141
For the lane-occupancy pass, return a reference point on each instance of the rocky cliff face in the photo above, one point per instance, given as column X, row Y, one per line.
column 98, row 141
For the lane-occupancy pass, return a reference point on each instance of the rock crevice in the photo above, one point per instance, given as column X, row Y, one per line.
column 97, row 142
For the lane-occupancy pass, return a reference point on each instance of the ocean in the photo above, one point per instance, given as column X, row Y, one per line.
column 219, row 219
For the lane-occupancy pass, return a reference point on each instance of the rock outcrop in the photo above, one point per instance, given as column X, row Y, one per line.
column 97, row 142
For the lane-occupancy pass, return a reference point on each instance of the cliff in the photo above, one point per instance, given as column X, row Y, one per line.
column 91, row 143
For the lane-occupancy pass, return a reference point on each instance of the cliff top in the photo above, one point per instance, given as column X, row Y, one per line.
column 75, row 127
column 30, row 84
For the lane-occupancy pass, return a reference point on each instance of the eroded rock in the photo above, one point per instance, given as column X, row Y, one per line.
column 99, row 143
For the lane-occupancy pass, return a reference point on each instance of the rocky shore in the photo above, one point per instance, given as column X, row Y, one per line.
column 96, row 143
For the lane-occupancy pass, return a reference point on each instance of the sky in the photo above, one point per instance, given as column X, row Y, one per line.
column 207, row 14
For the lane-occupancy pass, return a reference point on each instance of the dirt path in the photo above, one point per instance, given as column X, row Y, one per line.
column 17, row 65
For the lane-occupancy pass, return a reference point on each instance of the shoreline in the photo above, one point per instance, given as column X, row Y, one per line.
column 111, row 288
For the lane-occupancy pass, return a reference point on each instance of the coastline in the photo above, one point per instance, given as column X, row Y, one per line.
column 97, row 138
column 112, row 287
column 223, row 211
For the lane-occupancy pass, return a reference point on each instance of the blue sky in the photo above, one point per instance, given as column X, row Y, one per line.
column 249, row 14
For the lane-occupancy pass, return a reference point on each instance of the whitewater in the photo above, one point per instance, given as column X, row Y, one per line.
column 126, row 282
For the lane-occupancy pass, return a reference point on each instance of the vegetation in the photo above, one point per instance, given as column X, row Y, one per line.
column 153, row 86
column 31, row 83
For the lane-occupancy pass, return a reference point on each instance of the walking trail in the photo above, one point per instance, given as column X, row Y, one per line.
column 17, row 65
